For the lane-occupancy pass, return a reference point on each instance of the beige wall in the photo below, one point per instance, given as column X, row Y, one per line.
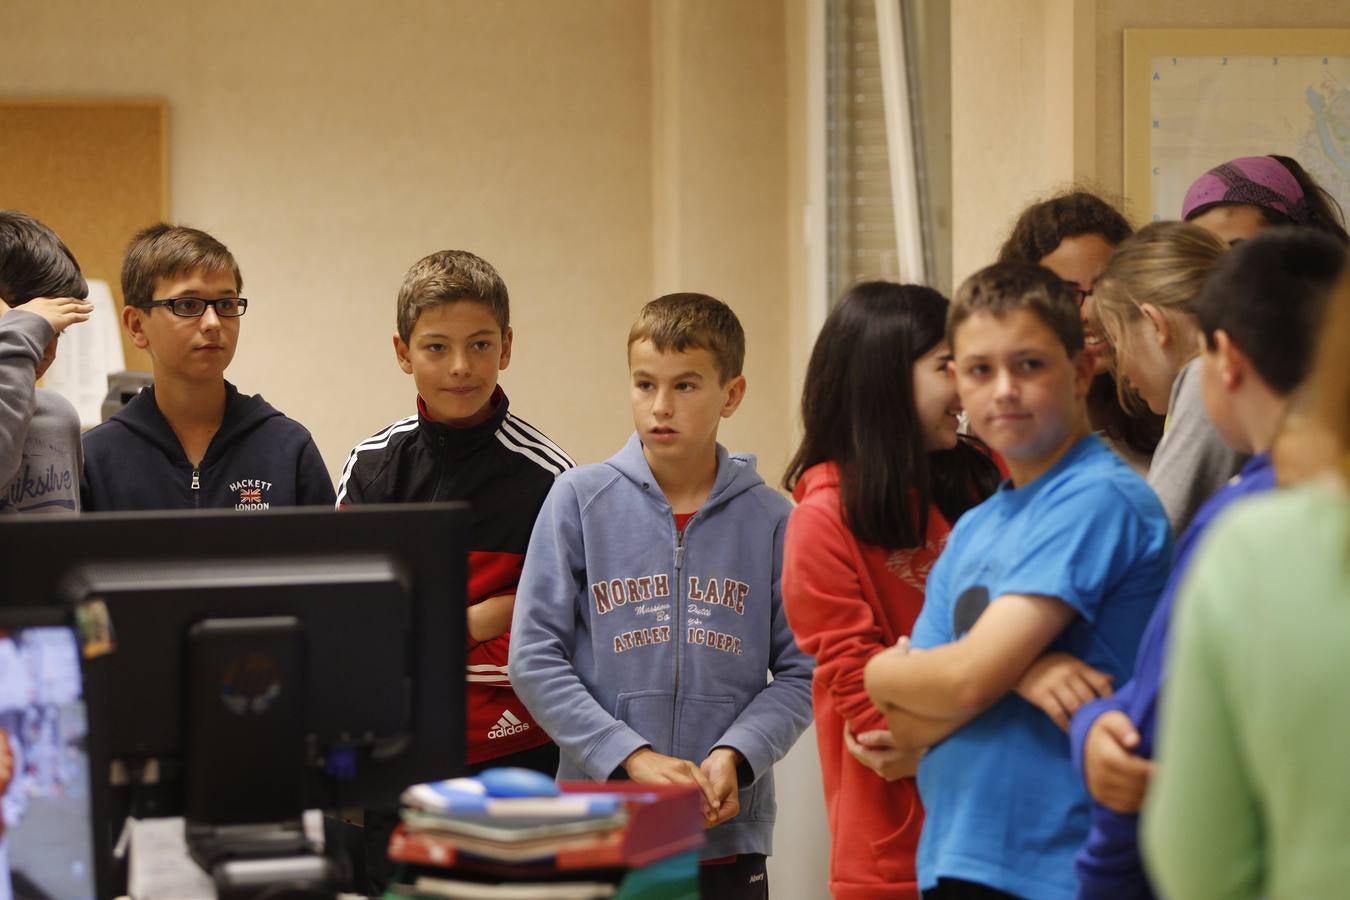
column 721, row 184
column 1013, row 117
column 331, row 144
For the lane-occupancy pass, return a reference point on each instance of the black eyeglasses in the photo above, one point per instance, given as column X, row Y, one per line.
column 1081, row 294
column 195, row 307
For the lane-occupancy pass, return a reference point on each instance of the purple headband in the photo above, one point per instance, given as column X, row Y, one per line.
column 1255, row 180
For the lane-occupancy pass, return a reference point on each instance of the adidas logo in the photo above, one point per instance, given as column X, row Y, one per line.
column 506, row 726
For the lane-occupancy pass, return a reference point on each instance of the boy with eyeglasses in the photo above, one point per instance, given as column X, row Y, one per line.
column 193, row 441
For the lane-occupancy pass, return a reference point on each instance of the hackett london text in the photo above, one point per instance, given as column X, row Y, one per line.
column 252, row 493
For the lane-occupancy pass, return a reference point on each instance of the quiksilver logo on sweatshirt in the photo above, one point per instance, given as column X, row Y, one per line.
column 254, row 493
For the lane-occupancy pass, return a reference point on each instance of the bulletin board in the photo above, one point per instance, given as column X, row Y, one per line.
column 96, row 171
column 1198, row 97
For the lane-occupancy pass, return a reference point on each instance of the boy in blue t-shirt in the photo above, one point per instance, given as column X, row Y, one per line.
column 1063, row 564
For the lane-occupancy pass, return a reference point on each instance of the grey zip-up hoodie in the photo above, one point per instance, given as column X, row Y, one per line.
column 39, row 429
column 626, row 636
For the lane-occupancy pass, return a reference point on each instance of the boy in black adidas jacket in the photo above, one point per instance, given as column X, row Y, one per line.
column 193, row 440
column 454, row 336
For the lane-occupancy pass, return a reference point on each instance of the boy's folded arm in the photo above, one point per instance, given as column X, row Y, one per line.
column 967, row 676
column 491, row 618
column 913, row 733
column 20, row 351
column 823, row 598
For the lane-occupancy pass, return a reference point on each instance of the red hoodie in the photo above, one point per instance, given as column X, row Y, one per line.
column 847, row 601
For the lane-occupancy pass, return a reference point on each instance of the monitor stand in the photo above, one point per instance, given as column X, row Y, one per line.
column 245, row 751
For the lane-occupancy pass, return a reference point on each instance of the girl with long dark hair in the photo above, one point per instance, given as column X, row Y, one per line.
column 880, row 477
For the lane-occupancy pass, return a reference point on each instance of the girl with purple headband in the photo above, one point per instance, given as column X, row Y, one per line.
column 1245, row 195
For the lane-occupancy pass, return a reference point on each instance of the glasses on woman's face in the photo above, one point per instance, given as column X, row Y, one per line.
column 1079, row 292
column 195, row 307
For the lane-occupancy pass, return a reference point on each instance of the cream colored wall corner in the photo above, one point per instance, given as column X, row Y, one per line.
column 719, row 187
column 1021, row 121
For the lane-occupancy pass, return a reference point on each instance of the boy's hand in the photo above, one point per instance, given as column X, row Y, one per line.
column 60, row 312
column 1116, row 776
column 720, row 770
column 646, row 766
column 1059, row 684
column 877, row 751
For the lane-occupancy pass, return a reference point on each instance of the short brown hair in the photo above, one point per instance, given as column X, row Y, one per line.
column 1009, row 286
column 446, row 276
column 682, row 322
column 167, row 251
column 1044, row 226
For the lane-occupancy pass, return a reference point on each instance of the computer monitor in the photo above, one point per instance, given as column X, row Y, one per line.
column 225, row 653
column 46, row 849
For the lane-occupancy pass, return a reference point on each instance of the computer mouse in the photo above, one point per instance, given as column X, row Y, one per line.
column 516, row 782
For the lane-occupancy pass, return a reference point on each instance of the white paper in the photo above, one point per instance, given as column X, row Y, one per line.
column 160, row 867
column 86, row 355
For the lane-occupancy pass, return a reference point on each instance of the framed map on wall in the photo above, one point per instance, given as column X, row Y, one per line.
column 1198, row 97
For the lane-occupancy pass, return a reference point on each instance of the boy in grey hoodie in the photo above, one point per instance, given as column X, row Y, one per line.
column 44, row 293
column 649, row 613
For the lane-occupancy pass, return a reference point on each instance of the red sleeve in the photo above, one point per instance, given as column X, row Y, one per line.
column 831, row 619
column 493, row 574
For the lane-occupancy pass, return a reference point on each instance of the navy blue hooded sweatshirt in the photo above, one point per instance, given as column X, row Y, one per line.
column 258, row 459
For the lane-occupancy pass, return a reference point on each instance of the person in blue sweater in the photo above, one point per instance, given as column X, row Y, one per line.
column 194, row 441
column 1258, row 314
column 649, row 611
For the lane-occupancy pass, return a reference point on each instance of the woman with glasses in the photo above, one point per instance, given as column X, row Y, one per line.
column 1144, row 309
column 1074, row 235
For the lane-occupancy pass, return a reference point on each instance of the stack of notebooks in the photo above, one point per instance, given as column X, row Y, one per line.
column 509, row 836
